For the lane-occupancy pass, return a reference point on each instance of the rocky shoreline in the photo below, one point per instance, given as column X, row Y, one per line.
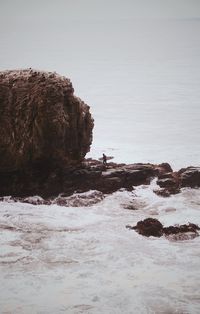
column 89, row 183
column 46, row 132
column 93, row 175
column 153, row 227
column 89, row 175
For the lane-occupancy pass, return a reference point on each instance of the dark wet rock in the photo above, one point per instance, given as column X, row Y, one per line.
column 165, row 168
column 182, row 236
column 124, row 176
column 152, row 227
column 162, row 192
column 169, row 184
column 190, row 227
column 166, row 192
column 167, row 175
column 88, row 175
column 173, row 181
column 148, row 227
column 107, row 179
column 189, row 177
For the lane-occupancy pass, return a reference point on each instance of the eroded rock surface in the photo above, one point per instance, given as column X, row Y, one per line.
column 171, row 182
column 153, row 227
column 42, row 123
column 149, row 227
column 45, row 132
column 190, row 177
column 44, row 128
column 89, row 175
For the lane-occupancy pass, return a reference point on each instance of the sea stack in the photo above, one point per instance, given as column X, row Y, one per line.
column 45, row 130
column 42, row 123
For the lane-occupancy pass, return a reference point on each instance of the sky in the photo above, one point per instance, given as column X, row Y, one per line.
column 36, row 33
column 96, row 9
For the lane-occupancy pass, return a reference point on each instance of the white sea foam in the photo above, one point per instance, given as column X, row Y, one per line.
column 83, row 260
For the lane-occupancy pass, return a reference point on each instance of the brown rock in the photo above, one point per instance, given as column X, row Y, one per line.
column 149, row 227
column 190, row 227
column 153, row 227
column 42, row 123
column 169, row 183
column 166, row 182
column 165, row 167
column 166, row 192
column 190, row 177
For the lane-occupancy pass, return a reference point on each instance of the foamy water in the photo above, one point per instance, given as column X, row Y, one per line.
column 83, row 260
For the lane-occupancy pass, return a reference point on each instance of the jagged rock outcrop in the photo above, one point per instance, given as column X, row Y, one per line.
column 148, row 227
column 42, row 124
column 153, row 227
column 164, row 168
column 45, row 132
column 189, row 177
column 171, row 182
column 89, row 175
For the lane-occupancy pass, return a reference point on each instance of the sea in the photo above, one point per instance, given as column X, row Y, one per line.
column 141, row 80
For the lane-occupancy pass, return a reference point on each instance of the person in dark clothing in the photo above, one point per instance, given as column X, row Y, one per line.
column 104, row 159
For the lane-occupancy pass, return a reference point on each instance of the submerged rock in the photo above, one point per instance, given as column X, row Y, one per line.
column 166, row 192
column 153, row 227
column 190, row 227
column 34, row 200
column 148, row 227
column 182, row 236
column 76, row 200
column 169, row 184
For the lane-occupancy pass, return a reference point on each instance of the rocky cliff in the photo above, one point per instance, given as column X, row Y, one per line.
column 45, row 132
column 42, row 124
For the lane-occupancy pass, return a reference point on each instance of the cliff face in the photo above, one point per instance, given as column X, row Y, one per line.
column 42, row 123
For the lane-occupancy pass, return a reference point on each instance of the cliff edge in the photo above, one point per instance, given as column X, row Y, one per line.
column 42, row 123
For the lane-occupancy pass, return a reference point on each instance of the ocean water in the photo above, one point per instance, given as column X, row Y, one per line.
column 145, row 92
column 141, row 79
column 84, row 260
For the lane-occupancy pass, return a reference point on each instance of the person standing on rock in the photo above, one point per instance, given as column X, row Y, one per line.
column 104, row 159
